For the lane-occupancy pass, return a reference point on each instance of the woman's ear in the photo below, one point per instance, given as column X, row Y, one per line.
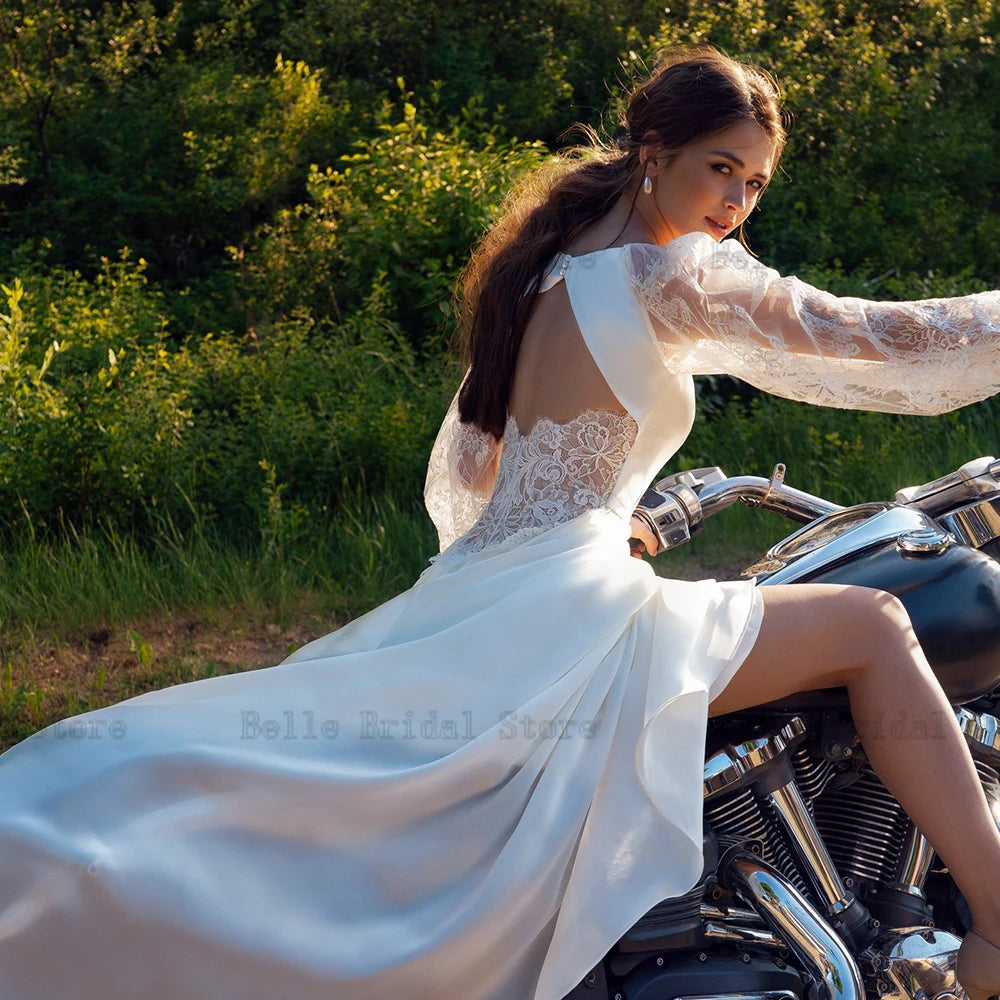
column 648, row 152
column 654, row 158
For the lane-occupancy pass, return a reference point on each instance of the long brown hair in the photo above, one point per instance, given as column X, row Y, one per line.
column 691, row 95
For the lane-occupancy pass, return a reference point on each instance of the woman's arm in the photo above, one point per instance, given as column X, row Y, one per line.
column 460, row 476
column 714, row 308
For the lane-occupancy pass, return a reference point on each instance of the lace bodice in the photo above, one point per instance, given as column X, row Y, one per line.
column 552, row 474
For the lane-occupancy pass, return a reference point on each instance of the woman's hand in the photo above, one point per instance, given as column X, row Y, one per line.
column 642, row 540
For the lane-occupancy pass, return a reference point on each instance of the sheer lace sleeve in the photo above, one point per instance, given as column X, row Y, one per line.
column 460, row 476
column 715, row 309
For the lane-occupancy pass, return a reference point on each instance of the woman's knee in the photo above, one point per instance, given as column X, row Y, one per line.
column 879, row 641
column 881, row 622
column 844, row 628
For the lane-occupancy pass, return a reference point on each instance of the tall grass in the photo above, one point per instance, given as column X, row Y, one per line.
column 82, row 579
column 375, row 546
column 67, row 593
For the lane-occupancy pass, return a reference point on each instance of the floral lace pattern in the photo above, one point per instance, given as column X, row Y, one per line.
column 458, row 476
column 715, row 309
column 552, row 474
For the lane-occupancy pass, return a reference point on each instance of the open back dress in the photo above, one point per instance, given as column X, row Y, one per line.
column 472, row 791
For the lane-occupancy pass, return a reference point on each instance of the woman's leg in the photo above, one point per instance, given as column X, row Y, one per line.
column 818, row 635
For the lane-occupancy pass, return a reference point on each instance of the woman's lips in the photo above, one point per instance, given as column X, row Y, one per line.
column 719, row 226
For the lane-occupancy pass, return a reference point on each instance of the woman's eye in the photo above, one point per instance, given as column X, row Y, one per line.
column 725, row 168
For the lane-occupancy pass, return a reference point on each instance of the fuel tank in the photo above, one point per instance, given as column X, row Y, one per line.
column 951, row 591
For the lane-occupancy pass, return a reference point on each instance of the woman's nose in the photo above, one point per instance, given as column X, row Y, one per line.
column 736, row 197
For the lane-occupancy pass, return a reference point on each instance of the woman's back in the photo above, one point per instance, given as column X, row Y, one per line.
column 556, row 375
column 566, row 437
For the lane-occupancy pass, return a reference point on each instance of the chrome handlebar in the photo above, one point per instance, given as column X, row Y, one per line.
column 771, row 494
column 676, row 507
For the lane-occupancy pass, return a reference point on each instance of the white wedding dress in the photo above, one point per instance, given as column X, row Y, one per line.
column 471, row 792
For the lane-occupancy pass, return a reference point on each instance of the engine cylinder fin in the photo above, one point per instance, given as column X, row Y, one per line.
column 864, row 828
column 743, row 817
column 812, row 774
column 738, row 817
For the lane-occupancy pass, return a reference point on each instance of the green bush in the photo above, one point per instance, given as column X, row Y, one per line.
column 308, row 415
column 303, row 216
column 402, row 209
column 181, row 130
column 96, row 431
column 543, row 64
column 110, row 421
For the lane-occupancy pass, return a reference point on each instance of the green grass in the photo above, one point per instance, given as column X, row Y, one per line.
column 83, row 580
column 90, row 618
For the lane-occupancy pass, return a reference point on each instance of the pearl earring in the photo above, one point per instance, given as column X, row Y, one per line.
column 647, row 185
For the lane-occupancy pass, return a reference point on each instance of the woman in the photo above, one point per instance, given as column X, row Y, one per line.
column 475, row 789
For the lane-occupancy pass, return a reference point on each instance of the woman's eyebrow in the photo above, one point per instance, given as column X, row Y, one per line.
column 736, row 160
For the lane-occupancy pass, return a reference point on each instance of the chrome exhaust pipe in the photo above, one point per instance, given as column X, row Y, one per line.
column 796, row 921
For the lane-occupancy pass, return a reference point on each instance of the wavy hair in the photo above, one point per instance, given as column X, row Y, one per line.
column 691, row 95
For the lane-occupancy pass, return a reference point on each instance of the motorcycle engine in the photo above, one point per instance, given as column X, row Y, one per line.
column 798, row 792
column 848, row 847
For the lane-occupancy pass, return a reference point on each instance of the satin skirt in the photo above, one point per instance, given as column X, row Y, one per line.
column 470, row 792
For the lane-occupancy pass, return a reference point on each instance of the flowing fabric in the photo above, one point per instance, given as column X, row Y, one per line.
column 475, row 789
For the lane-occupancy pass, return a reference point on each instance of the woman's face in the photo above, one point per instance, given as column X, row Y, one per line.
column 710, row 186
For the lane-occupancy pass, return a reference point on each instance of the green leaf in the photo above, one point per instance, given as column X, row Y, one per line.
column 141, row 648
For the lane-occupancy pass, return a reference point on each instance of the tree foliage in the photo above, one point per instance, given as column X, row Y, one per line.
column 229, row 229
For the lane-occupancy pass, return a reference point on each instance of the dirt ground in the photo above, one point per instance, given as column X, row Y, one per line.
column 227, row 644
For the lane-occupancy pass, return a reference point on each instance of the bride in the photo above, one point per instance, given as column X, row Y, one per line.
column 475, row 789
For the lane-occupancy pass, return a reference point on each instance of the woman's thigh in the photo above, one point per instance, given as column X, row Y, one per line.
column 815, row 636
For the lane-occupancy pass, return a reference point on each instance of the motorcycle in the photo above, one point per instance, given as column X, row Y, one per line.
column 816, row 884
